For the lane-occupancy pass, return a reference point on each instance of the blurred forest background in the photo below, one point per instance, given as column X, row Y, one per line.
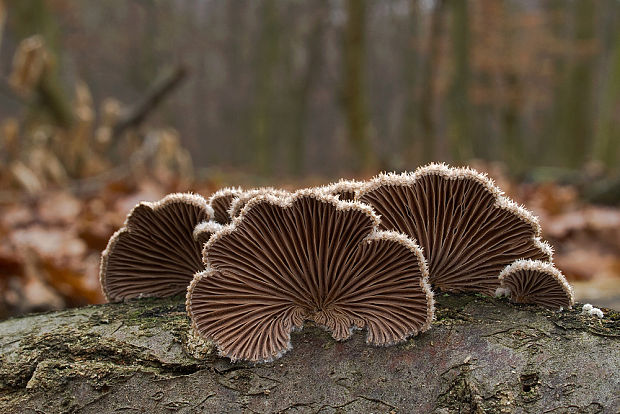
column 106, row 103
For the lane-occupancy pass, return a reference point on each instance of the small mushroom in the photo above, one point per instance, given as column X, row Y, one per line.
column 220, row 202
column 155, row 253
column 307, row 256
column 344, row 189
column 468, row 230
column 239, row 202
column 536, row 282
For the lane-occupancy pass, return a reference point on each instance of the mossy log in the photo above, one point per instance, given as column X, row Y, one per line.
column 481, row 355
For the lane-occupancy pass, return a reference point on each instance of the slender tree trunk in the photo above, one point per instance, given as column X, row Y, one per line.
column 354, row 91
column 573, row 126
column 430, row 69
column 579, row 117
column 236, row 109
column 608, row 131
column 267, row 53
column 409, row 127
column 301, row 93
column 513, row 147
column 2, row 20
column 488, row 23
column 511, row 110
column 481, row 355
column 33, row 17
column 556, row 13
column 459, row 116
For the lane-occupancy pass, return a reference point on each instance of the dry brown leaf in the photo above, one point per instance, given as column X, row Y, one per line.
column 587, row 264
column 60, row 207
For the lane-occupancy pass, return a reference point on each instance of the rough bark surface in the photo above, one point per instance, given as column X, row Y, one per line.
column 481, row 355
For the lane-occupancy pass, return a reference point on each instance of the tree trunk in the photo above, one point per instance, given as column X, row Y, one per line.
column 411, row 151
column 458, row 103
column 354, row 89
column 481, row 355
column 574, row 127
column 608, row 132
column 267, row 55
column 301, row 90
column 430, row 71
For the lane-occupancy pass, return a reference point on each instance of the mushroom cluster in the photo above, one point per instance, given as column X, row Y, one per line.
column 469, row 231
column 257, row 264
column 308, row 256
column 155, row 252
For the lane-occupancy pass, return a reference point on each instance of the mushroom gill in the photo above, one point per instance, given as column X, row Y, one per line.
column 204, row 230
column 155, row 253
column 220, row 202
column 307, row 256
column 345, row 190
column 239, row 202
column 467, row 229
column 536, row 282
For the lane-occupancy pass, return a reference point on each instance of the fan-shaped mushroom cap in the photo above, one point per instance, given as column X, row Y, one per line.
column 155, row 254
column 307, row 256
column 469, row 231
column 239, row 202
column 344, row 189
column 536, row 282
column 220, row 202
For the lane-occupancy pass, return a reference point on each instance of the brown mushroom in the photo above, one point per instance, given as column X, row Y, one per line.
column 536, row 282
column 239, row 202
column 345, row 190
column 468, row 230
column 220, row 202
column 155, row 253
column 307, row 256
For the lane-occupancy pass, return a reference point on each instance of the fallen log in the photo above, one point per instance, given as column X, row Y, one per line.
column 481, row 355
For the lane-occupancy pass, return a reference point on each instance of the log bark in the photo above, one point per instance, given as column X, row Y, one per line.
column 481, row 355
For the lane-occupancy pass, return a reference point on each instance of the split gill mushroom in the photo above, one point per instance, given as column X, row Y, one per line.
column 307, row 256
column 220, row 202
column 155, row 252
column 240, row 201
column 345, row 190
column 536, row 282
column 468, row 229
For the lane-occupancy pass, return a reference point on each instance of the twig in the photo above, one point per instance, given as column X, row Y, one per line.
column 136, row 115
